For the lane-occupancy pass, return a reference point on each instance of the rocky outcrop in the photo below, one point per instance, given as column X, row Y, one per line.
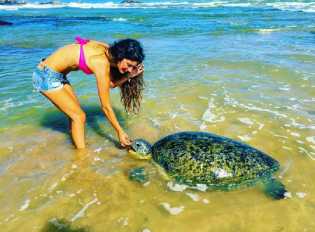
column 11, row 2
column 5, row 23
column 129, row 1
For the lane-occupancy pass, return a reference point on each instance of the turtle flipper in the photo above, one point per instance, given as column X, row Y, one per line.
column 139, row 175
column 274, row 188
column 162, row 172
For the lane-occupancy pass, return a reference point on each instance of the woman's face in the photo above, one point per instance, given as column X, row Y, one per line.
column 126, row 65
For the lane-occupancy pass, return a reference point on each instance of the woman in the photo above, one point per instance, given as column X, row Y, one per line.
column 116, row 65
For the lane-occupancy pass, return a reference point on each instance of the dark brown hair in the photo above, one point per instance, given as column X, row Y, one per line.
column 131, row 94
column 131, row 90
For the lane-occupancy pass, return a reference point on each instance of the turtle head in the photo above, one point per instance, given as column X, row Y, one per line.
column 140, row 149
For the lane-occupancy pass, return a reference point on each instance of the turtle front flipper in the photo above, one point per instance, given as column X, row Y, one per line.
column 139, row 175
column 274, row 188
column 162, row 172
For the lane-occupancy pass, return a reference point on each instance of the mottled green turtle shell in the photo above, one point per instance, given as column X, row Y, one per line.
column 202, row 158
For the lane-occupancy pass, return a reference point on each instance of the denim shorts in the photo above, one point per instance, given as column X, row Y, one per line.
column 45, row 79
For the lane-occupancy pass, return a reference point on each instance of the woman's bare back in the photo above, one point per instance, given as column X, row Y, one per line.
column 66, row 59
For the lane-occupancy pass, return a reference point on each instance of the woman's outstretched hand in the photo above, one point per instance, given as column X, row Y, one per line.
column 124, row 139
column 136, row 71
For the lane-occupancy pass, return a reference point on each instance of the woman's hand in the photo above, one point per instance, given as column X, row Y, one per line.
column 136, row 71
column 124, row 139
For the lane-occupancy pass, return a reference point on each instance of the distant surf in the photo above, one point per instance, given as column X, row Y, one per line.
column 290, row 6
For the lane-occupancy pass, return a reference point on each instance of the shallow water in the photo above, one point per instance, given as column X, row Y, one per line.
column 244, row 71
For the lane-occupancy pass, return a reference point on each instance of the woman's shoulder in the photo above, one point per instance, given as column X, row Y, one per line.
column 98, row 43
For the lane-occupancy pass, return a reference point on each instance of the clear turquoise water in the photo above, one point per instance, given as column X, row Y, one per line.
column 242, row 70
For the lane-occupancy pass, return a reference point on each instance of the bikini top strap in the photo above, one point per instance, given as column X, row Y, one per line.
column 81, row 41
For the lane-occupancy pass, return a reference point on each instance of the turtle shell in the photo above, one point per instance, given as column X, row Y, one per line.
column 194, row 158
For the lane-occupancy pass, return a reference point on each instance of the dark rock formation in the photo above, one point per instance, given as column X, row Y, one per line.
column 5, row 23
column 11, row 2
column 129, row 1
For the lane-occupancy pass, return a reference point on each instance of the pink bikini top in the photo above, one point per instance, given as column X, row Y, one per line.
column 82, row 64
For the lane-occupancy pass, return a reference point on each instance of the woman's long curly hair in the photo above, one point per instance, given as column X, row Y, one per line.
column 131, row 90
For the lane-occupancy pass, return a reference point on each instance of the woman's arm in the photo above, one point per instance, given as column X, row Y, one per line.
column 122, row 80
column 137, row 72
column 102, row 73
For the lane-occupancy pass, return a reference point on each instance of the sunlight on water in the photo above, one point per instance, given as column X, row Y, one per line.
column 91, row 189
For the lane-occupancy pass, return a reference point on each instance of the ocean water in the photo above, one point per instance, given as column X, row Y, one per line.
column 244, row 70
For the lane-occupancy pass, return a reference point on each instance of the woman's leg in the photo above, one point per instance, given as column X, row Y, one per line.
column 68, row 105
column 69, row 89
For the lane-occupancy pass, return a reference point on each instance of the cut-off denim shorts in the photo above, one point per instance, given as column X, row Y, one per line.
column 45, row 79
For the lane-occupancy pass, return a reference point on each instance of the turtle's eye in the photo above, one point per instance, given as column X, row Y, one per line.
column 138, row 144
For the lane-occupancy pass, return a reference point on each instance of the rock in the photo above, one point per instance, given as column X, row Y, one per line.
column 11, row 2
column 4, row 23
column 129, row 1
column 50, row 3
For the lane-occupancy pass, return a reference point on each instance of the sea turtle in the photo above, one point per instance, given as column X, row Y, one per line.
column 200, row 158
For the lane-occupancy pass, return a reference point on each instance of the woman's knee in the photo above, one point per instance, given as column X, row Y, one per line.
column 79, row 116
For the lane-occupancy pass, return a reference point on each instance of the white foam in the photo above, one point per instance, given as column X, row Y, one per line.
column 300, row 194
column 146, row 230
column 119, row 20
column 290, row 6
column 268, row 30
column 246, row 121
column 203, row 126
column 98, row 150
column 25, row 205
column 93, row 5
column 155, row 122
column 72, row 195
column 172, row 210
column 295, row 134
column 9, row 103
column 230, row 101
column 287, row 148
column 176, row 187
column 284, row 88
column 286, row 167
column 193, row 196
column 244, row 138
column 123, row 221
column 53, row 186
column 203, row 98
column 210, row 116
column 82, row 211
column 32, row 6
column 205, row 201
column 260, row 126
column 146, row 184
column 182, row 107
column 311, row 139
column 293, row 6
column 311, row 155
column 173, row 115
column 294, row 123
column 9, row 217
column 287, row 195
column 200, row 187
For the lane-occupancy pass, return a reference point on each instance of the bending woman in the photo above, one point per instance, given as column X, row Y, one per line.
column 117, row 65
